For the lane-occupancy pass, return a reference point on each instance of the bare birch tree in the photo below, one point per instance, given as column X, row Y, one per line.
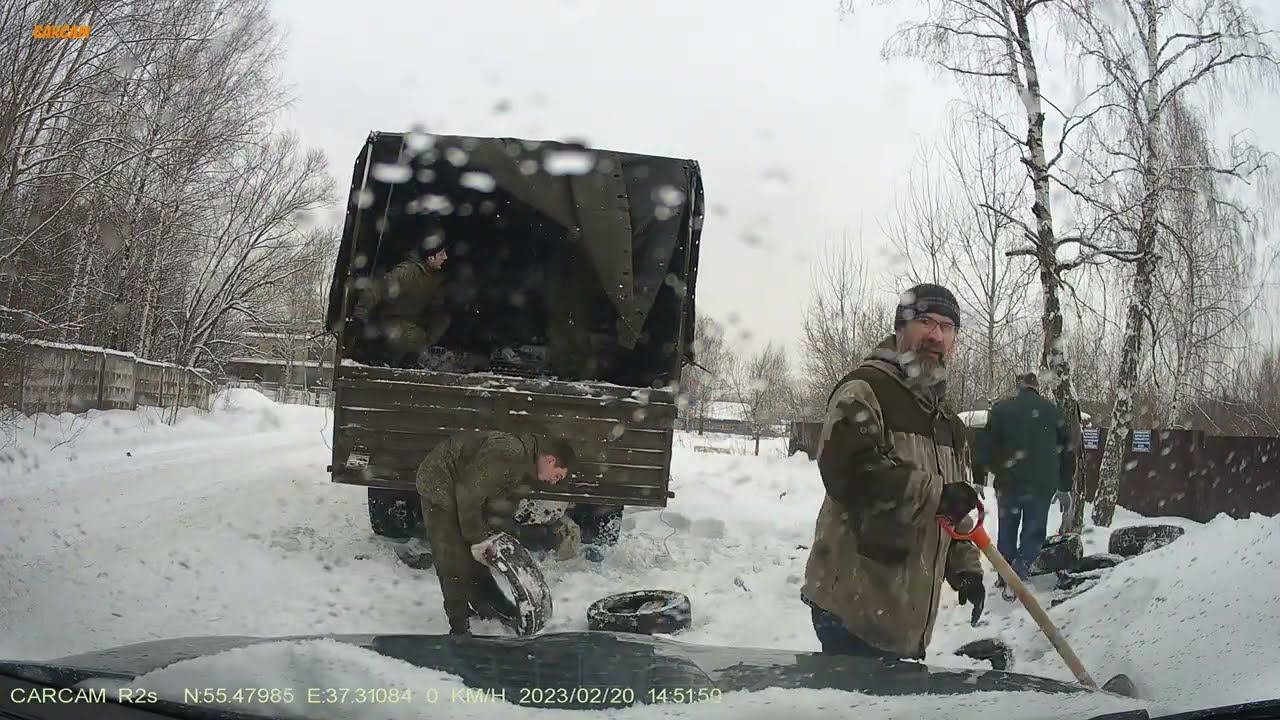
column 842, row 323
column 759, row 383
column 994, row 43
column 249, row 247
column 922, row 230
column 701, row 384
column 992, row 286
column 1158, row 58
column 123, row 157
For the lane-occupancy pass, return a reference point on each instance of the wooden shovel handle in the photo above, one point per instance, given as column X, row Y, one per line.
column 979, row 537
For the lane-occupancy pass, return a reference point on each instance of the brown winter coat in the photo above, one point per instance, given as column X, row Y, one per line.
column 405, row 306
column 878, row 556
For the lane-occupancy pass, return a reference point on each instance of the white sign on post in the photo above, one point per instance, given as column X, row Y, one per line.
column 1142, row 441
column 1091, row 438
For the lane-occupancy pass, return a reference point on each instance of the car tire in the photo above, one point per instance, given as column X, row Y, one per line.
column 395, row 514
column 643, row 612
column 1138, row 539
column 1101, row 561
column 529, row 607
column 1058, row 554
column 991, row 650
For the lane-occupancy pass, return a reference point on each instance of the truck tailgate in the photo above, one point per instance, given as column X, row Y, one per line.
column 387, row 419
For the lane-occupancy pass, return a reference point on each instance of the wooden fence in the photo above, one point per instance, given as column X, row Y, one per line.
column 45, row 377
column 1190, row 474
column 1178, row 473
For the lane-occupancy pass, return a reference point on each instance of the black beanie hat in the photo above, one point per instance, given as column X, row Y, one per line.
column 926, row 298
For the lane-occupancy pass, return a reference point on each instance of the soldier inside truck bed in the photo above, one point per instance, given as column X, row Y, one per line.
column 402, row 313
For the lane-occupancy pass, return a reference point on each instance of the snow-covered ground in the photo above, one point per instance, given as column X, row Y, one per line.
column 119, row 529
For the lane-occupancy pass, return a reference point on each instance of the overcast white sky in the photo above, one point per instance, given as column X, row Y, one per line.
column 748, row 88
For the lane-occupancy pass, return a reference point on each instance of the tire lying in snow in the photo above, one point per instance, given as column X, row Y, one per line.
column 643, row 611
column 1058, row 554
column 395, row 514
column 992, row 650
column 1101, row 561
column 1122, row 685
column 1138, row 539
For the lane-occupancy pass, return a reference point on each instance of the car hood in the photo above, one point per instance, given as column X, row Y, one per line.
column 574, row 659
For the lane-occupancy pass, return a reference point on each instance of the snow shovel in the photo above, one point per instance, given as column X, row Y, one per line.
column 979, row 537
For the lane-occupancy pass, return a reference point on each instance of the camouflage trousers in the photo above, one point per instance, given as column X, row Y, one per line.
column 410, row 338
column 463, row 579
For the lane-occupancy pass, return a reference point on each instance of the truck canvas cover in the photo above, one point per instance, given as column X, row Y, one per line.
column 634, row 219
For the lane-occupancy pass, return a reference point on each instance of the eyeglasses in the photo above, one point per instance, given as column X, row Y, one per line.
column 947, row 327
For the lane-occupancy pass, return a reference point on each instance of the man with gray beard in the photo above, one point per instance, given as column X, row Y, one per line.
column 893, row 459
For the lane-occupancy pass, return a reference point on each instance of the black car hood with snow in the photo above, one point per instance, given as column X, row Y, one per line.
column 573, row 659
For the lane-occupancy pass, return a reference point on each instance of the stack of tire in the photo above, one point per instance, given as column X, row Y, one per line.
column 1064, row 556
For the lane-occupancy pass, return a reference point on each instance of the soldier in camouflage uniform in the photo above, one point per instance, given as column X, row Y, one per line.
column 404, row 309
column 470, row 486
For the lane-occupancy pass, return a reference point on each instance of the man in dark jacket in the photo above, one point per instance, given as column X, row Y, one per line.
column 1028, row 448
column 893, row 459
column 470, row 486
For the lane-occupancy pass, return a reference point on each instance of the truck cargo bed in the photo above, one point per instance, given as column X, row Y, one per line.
column 387, row 419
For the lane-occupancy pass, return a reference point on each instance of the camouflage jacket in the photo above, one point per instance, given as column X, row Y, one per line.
column 484, row 475
column 408, row 292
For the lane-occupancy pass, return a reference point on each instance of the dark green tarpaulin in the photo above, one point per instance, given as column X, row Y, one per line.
column 629, row 213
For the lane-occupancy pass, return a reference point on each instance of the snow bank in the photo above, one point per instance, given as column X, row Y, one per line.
column 1194, row 624
column 309, row 669
column 116, row 528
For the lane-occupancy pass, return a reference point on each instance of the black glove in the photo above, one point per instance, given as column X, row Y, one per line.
column 969, row 588
column 958, row 500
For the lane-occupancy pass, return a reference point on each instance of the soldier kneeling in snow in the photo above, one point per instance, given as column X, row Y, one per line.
column 470, row 485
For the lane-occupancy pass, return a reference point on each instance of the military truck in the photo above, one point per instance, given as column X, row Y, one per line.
column 570, row 284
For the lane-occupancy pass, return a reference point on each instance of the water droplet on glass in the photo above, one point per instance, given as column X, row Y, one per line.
column 457, row 157
column 528, row 167
column 109, row 236
column 478, row 181
column 775, row 180
column 662, row 212
column 751, row 238
column 669, row 195
column 415, row 142
column 364, row 198
column 568, row 161
column 426, row 175
column 437, row 203
column 502, row 107
column 391, row 173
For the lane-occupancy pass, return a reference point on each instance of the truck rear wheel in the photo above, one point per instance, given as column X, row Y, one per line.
column 395, row 514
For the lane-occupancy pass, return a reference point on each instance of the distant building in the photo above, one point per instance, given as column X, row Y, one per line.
column 297, row 355
column 724, row 416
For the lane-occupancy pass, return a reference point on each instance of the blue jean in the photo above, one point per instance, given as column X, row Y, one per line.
column 837, row 640
column 1024, row 521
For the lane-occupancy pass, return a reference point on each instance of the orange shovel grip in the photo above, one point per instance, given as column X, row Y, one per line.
column 977, row 535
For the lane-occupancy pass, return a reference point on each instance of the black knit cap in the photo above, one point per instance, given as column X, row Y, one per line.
column 926, row 298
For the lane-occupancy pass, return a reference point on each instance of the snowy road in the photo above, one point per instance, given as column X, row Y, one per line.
column 227, row 523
